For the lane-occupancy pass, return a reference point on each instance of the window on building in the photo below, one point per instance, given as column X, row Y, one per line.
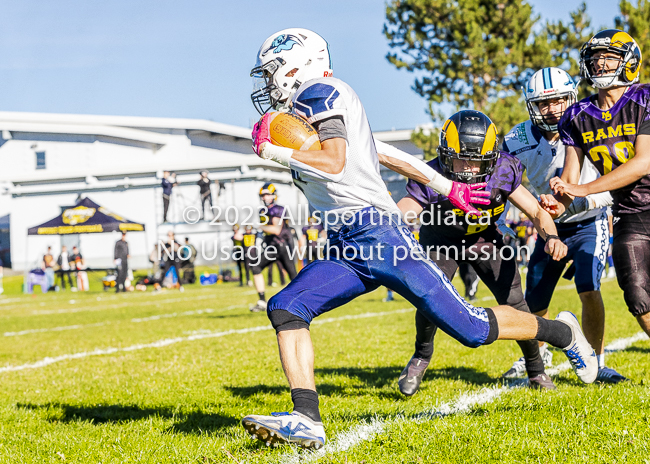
column 40, row 160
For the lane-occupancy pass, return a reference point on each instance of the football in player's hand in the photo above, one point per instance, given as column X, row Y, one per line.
column 291, row 131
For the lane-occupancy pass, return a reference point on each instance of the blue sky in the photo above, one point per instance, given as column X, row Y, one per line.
column 192, row 59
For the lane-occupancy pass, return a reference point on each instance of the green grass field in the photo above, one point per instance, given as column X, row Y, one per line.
column 166, row 378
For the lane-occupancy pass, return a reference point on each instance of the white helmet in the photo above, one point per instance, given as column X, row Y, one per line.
column 548, row 84
column 286, row 60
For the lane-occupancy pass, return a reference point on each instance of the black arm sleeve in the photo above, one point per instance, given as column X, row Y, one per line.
column 331, row 128
column 645, row 128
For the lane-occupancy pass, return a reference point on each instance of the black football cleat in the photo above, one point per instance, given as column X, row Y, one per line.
column 411, row 377
column 541, row 382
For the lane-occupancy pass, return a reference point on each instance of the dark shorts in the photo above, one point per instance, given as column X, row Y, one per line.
column 273, row 253
column 631, row 254
column 588, row 243
column 498, row 270
column 398, row 262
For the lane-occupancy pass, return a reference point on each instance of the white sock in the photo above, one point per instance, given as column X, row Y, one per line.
column 601, row 360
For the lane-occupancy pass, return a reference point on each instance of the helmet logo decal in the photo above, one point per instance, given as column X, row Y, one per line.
column 282, row 43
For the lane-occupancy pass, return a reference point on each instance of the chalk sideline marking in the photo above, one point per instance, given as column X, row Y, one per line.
column 367, row 431
column 99, row 324
column 171, row 341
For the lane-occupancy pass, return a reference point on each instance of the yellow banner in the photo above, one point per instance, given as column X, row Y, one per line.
column 136, row 227
column 63, row 230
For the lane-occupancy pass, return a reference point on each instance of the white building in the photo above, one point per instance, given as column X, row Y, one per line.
column 50, row 159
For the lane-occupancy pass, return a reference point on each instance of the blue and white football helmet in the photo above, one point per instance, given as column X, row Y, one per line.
column 286, row 60
column 548, row 84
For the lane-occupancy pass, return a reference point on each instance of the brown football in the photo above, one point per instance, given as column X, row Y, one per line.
column 291, row 131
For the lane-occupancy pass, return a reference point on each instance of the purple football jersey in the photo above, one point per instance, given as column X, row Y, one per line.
column 271, row 212
column 503, row 181
column 607, row 140
column 312, row 232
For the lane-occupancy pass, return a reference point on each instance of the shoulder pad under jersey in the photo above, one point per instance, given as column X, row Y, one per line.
column 320, row 99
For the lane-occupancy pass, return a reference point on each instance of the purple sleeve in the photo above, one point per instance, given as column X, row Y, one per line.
column 421, row 193
column 565, row 128
column 519, row 173
column 507, row 174
column 276, row 211
column 644, row 128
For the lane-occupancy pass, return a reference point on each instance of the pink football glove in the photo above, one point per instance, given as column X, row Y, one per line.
column 463, row 195
column 261, row 133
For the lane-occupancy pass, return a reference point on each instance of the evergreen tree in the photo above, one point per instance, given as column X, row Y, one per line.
column 479, row 53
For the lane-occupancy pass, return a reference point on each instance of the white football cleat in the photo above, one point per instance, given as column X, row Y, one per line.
column 517, row 370
column 285, row 428
column 580, row 353
column 547, row 355
column 260, row 306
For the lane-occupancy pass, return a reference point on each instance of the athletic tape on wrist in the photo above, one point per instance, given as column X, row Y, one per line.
column 281, row 155
column 440, row 184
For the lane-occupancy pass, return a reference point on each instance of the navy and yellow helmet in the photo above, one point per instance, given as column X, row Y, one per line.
column 629, row 62
column 470, row 136
column 269, row 189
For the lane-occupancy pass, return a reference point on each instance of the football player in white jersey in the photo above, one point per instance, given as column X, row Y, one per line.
column 583, row 227
column 369, row 245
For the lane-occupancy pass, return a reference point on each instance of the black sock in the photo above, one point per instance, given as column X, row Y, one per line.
column 261, row 296
column 555, row 333
column 306, row 402
column 534, row 362
column 423, row 350
column 425, row 331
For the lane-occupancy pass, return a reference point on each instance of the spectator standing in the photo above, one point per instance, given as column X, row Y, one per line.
column 64, row 266
column 48, row 267
column 250, row 251
column 238, row 252
column 76, row 258
column 154, row 259
column 171, row 257
column 122, row 262
column 78, row 264
column 206, row 194
column 168, row 183
column 188, row 256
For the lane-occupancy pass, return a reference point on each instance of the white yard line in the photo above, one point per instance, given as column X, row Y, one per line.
column 171, row 341
column 40, row 312
column 56, row 329
column 136, row 320
column 165, row 316
column 131, row 304
column 367, row 431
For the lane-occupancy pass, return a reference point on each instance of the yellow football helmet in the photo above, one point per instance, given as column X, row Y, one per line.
column 268, row 189
column 619, row 43
column 470, row 136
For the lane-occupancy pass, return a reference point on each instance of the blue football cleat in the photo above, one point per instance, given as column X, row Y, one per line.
column 285, row 428
column 609, row 375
